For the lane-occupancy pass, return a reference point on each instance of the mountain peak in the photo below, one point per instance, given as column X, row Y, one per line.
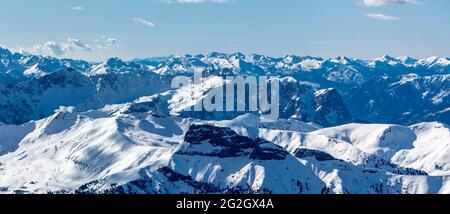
column 216, row 55
column 434, row 60
column 4, row 52
column 115, row 61
column 238, row 55
column 386, row 58
column 343, row 60
column 113, row 65
column 406, row 59
column 292, row 59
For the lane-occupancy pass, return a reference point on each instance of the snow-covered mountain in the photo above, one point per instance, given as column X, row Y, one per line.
column 405, row 99
column 39, row 97
column 299, row 101
column 369, row 88
column 71, row 126
column 136, row 148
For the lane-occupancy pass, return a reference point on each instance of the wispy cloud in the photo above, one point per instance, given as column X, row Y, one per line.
column 196, row 1
column 52, row 48
column 382, row 17
column 77, row 8
column 379, row 3
column 76, row 43
column 143, row 22
column 56, row 48
column 105, row 43
column 111, row 42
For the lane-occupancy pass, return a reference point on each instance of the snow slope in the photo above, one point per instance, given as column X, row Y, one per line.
column 70, row 126
column 137, row 148
column 386, row 89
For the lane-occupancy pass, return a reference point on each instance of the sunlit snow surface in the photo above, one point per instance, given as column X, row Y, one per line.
column 116, row 149
column 124, row 130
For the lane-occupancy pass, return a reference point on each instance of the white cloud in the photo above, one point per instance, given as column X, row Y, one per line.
column 382, row 17
column 77, row 8
column 76, row 43
column 379, row 3
column 56, row 48
column 105, row 43
column 196, row 1
column 52, row 48
column 110, row 42
column 143, row 22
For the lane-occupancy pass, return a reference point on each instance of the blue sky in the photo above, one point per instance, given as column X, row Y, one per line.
column 98, row 29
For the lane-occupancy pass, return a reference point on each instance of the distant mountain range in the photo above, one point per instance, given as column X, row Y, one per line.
column 383, row 90
column 72, row 126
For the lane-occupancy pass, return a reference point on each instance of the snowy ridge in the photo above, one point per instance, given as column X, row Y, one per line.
column 70, row 126
column 368, row 88
column 126, row 149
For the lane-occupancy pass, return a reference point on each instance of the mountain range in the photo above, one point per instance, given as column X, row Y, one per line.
column 72, row 126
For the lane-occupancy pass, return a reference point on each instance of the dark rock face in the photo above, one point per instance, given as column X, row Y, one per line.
column 330, row 108
column 373, row 161
column 200, row 187
column 207, row 140
column 268, row 151
column 318, row 155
